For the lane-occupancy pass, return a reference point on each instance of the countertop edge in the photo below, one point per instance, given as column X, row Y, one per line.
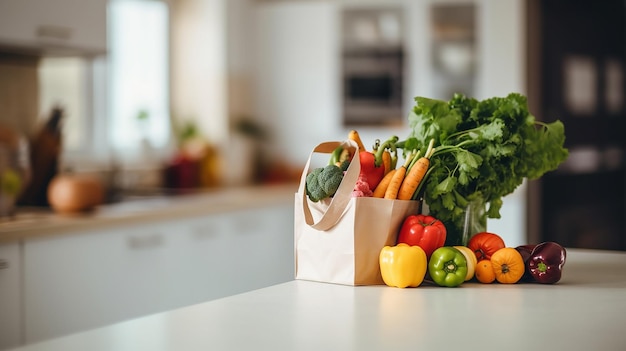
column 34, row 224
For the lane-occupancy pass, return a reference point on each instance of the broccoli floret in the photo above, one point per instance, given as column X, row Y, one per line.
column 314, row 191
column 323, row 182
column 345, row 164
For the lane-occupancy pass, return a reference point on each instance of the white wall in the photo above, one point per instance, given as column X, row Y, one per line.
column 297, row 75
column 501, row 39
column 502, row 71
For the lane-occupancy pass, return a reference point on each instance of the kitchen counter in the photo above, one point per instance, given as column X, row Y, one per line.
column 586, row 310
column 34, row 222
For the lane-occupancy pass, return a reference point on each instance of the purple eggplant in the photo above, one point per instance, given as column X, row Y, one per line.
column 526, row 251
column 546, row 261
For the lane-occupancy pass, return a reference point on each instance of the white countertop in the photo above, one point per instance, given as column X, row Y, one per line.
column 586, row 310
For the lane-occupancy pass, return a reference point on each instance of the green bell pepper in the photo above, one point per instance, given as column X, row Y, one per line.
column 447, row 266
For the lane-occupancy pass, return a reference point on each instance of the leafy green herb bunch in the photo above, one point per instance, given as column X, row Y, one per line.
column 484, row 151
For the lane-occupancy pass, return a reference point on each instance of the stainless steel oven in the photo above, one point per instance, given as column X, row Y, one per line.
column 372, row 86
column 372, row 65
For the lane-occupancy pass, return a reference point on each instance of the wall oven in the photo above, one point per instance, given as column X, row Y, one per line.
column 372, row 66
column 372, row 86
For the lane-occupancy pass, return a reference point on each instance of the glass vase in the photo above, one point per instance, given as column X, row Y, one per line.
column 474, row 221
column 462, row 227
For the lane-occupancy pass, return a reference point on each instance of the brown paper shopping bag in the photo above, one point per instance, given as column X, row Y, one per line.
column 339, row 240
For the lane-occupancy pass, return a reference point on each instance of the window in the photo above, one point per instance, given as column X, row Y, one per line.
column 138, row 61
column 116, row 105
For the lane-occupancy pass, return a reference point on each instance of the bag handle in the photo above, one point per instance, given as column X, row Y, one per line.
column 343, row 195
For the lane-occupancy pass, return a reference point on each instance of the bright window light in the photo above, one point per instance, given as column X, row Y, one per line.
column 138, row 68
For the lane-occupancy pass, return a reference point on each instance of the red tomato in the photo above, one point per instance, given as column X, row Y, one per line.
column 427, row 232
column 485, row 244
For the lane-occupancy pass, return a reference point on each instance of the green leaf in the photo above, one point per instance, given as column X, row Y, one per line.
column 463, row 178
column 492, row 131
column 447, row 185
column 460, row 200
column 494, row 208
column 448, row 201
column 468, row 160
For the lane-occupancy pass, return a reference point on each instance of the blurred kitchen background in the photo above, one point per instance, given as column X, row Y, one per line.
column 193, row 94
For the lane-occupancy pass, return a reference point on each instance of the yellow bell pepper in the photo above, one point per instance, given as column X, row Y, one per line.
column 402, row 265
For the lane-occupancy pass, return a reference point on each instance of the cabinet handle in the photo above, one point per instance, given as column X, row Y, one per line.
column 144, row 242
column 249, row 226
column 204, row 233
column 54, row 32
column 4, row 264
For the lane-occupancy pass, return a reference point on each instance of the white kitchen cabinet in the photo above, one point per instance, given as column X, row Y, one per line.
column 255, row 250
column 10, row 296
column 55, row 26
column 81, row 281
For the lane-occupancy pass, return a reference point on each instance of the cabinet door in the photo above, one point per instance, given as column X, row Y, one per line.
column 571, row 48
column 265, row 239
column 239, row 251
column 65, row 24
column 10, row 296
column 86, row 280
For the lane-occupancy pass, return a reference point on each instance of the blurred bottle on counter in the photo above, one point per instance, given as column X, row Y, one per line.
column 195, row 163
column 210, row 167
column 45, row 149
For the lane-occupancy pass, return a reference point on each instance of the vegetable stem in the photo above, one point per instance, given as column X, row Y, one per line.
column 389, row 143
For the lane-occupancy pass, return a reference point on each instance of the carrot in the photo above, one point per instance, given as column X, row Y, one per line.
column 354, row 136
column 384, row 152
column 387, row 161
column 381, row 188
column 415, row 174
column 398, row 178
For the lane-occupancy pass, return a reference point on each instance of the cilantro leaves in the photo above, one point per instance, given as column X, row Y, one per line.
column 484, row 150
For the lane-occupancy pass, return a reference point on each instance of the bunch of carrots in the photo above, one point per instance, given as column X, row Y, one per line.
column 402, row 183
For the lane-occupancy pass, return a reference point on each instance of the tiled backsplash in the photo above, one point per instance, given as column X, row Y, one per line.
column 19, row 95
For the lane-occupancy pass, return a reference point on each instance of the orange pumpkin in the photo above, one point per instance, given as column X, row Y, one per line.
column 508, row 265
